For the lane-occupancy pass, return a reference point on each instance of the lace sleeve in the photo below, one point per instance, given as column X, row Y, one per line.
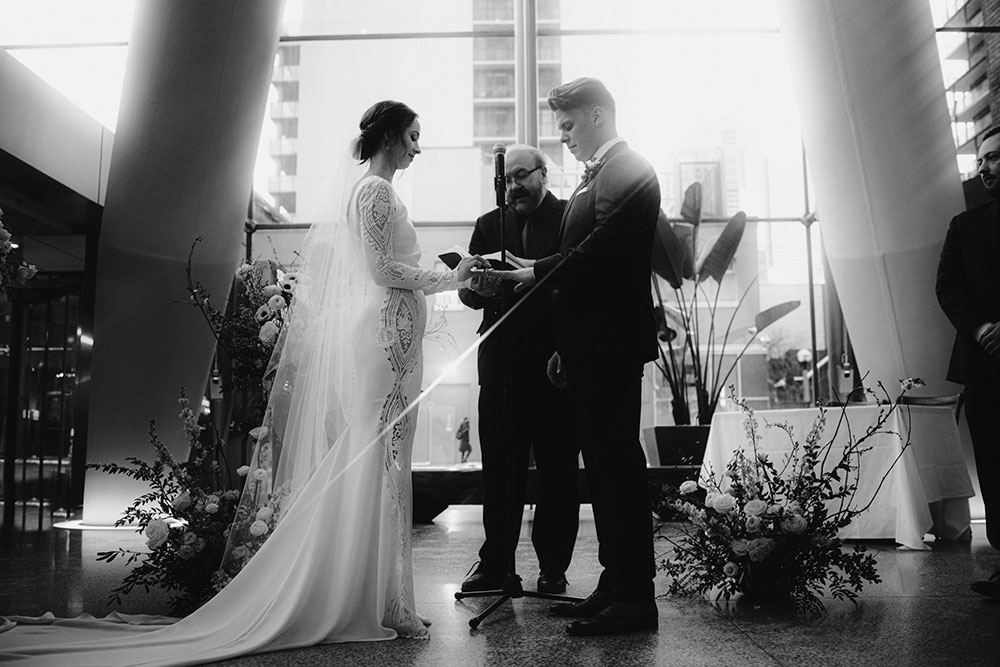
column 376, row 208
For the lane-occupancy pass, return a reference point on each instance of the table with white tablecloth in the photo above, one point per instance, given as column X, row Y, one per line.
column 927, row 490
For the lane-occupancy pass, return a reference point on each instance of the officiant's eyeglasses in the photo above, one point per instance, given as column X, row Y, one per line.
column 521, row 175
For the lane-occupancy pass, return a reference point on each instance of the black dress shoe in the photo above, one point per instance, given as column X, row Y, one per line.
column 616, row 619
column 483, row 580
column 989, row 587
column 594, row 603
column 552, row 582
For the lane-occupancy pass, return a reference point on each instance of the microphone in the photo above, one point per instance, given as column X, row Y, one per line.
column 499, row 174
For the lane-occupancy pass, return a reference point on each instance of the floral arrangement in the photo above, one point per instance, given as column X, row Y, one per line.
column 185, row 517
column 12, row 272
column 771, row 528
column 247, row 330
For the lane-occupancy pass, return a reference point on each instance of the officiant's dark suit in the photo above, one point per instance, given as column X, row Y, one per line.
column 968, row 289
column 605, row 334
column 532, row 415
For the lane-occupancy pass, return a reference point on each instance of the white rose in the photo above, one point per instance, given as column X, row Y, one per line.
column 242, row 471
column 270, row 291
column 731, row 569
column 794, row 524
column 212, row 508
column 156, row 533
column 265, row 514
column 260, row 474
column 740, row 547
column 268, row 332
column 182, row 501
column 723, row 503
column 754, row 523
column 755, row 507
column 710, row 498
column 689, row 486
column 276, row 303
column 258, row 528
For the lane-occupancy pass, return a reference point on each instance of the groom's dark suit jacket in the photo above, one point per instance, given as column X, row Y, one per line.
column 603, row 307
column 968, row 289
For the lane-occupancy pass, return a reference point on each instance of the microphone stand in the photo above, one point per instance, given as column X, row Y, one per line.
column 512, row 588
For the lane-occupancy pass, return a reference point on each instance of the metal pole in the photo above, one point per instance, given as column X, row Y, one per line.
column 808, row 219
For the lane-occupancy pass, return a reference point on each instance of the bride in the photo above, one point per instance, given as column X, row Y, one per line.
column 320, row 550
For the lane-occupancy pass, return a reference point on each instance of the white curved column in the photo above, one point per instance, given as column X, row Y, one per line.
column 880, row 151
column 195, row 90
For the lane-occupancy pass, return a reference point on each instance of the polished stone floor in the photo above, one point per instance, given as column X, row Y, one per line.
column 923, row 612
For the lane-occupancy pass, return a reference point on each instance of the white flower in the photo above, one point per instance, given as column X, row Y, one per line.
column 242, row 471
column 271, row 291
column 911, row 383
column 740, row 547
column 182, row 501
column 276, row 303
column 263, row 314
column 689, row 486
column 265, row 514
column 755, row 507
column 258, row 528
column 710, row 498
column 794, row 524
column 243, row 271
column 156, row 533
column 731, row 569
column 761, row 548
column 260, row 474
column 211, row 508
column 754, row 523
column 268, row 332
column 288, row 286
column 723, row 503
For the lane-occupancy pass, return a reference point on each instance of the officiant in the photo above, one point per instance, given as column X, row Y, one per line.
column 532, row 415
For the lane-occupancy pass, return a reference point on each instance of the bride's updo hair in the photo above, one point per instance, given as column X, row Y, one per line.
column 384, row 121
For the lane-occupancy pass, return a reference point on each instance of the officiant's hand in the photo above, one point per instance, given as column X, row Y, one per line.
column 466, row 265
column 485, row 285
column 525, row 278
column 520, row 262
column 555, row 371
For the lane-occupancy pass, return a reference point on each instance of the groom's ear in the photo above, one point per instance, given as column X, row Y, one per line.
column 597, row 114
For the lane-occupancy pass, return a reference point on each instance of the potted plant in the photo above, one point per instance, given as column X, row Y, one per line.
column 693, row 344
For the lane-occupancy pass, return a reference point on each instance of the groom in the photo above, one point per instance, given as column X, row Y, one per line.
column 605, row 333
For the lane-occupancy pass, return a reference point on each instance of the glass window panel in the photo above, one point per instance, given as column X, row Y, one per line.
column 675, row 15
column 493, row 48
column 320, row 17
column 493, row 10
column 494, row 81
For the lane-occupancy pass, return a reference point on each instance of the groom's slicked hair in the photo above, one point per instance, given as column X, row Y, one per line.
column 583, row 93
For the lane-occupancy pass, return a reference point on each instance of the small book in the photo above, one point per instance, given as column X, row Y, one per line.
column 452, row 256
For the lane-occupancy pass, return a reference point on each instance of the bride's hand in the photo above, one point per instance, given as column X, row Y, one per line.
column 466, row 265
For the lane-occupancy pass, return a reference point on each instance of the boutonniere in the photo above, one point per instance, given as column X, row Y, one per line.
column 590, row 169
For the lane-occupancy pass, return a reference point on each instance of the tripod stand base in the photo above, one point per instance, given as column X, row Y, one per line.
column 511, row 590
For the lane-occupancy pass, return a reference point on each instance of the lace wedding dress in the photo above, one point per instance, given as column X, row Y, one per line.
column 335, row 564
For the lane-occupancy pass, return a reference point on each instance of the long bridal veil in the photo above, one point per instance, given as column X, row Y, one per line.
column 313, row 374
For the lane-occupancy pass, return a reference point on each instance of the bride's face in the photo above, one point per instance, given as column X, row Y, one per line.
column 408, row 147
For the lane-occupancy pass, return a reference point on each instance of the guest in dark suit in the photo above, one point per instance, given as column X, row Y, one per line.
column 968, row 289
column 605, row 334
column 532, row 414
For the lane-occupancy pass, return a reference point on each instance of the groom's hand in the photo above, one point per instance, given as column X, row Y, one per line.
column 525, row 277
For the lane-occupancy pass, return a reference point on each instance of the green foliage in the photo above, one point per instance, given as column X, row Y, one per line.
column 764, row 524
column 185, row 516
column 690, row 350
